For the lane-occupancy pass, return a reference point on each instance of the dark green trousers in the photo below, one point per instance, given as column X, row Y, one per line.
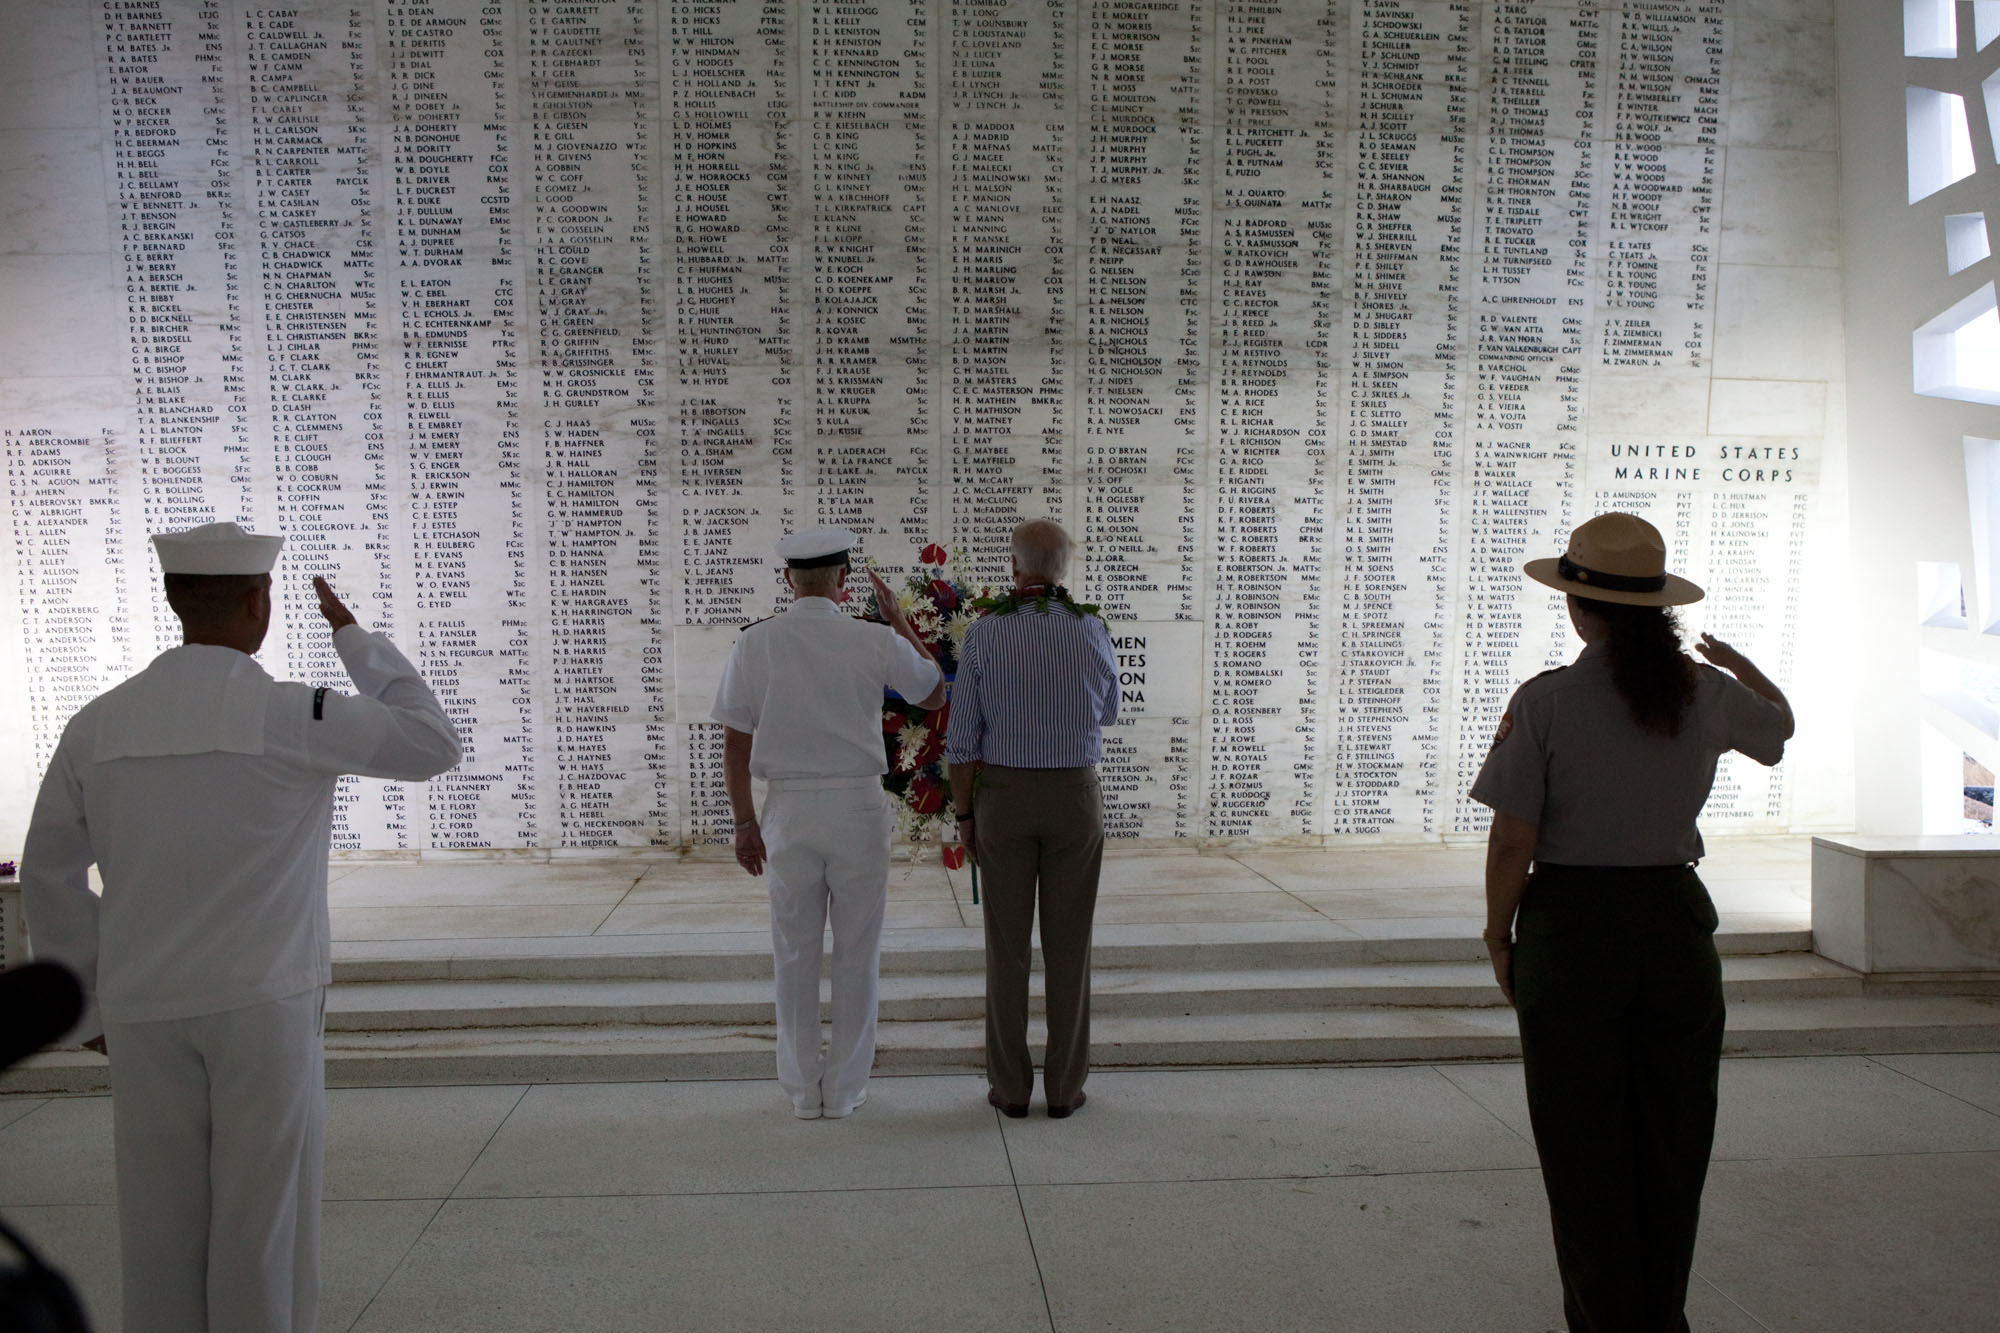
column 1619, row 993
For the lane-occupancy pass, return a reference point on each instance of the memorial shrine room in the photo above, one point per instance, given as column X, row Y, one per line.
column 534, row 328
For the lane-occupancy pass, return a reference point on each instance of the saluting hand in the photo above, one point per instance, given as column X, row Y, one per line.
column 1720, row 653
column 337, row 615
column 892, row 610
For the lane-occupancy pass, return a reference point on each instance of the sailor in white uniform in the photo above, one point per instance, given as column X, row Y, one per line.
column 801, row 704
column 203, row 791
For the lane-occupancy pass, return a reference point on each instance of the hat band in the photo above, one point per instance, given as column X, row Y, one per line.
column 818, row 561
column 1576, row 573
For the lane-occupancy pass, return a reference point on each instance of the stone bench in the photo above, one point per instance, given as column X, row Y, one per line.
column 1907, row 904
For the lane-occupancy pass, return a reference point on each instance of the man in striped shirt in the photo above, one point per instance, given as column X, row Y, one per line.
column 1037, row 680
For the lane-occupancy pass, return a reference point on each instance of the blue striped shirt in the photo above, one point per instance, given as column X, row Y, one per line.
column 1033, row 689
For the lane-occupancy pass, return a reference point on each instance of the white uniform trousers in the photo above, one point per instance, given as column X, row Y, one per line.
column 218, row 1124
column 826, row 846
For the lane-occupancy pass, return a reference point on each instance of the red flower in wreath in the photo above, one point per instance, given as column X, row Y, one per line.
column 933, row 554
column 953, row 855
column 892, row 722
column 944, row 595
column 926, row 797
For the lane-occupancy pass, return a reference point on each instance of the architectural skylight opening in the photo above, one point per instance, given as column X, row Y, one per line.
column 1965, row 242
column 1957, row 355
column 1930, row 28
column 1940, row 141
column 1985, row 22
column 1982, row 500
column 1940, row 594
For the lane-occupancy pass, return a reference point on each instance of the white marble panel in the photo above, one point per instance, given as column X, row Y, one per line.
column 46, row 75
column 48, row 203
column 1840, row 906
column 1669, row 402
column 1935, row 911
column 1781, row 206
column 1782, row 92
column 62, row 316
column 1778, row 323
column 1768, row 407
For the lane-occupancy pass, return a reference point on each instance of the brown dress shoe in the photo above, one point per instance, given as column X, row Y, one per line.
column 1012, row 1110
column 1065, row 1112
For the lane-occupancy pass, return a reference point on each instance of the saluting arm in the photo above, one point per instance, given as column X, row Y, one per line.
column 892, row 611
column 55, row 883
column 1741, row 667
column 398, row 729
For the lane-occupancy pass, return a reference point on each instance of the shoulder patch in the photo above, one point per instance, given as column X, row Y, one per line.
column 1550, row 672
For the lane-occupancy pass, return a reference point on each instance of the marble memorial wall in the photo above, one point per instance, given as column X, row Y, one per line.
column 534, row 325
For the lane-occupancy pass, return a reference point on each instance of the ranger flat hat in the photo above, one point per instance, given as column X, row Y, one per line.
column 216, row 548
column 1615, row 558
column 816, row 547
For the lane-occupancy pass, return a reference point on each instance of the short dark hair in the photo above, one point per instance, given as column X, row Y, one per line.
column 199, row 599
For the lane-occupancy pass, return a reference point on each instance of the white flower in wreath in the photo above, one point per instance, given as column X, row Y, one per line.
column 956, row 627
column 913, row 827
column 913, row 737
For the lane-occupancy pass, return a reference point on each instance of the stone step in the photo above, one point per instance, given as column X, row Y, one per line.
column 747, row 956
column 1844, row 1025
column 1847, row 1023
column 947, row 996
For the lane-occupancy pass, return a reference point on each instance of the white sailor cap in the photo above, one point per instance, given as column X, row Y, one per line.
column 216, row 548
column 816, row 547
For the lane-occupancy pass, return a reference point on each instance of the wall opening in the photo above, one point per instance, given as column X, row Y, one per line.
column 1930, row 28
column 1940, row 141
column 1957, row 355
column 1965, row 241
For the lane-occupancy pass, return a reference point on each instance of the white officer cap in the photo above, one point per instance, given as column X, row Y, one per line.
column 816, row 547
column 216, row 548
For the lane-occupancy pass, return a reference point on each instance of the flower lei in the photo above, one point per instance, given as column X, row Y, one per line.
column 1009, row 602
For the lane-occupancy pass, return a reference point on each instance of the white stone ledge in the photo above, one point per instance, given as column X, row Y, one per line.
column 1907, row 905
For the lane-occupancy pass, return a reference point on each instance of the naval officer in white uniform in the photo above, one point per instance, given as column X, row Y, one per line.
column 203, row 791
column 801, row 704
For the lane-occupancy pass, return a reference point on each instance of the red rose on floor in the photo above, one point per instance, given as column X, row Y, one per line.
column 933, row 554
column 943, row 594
column 926, row 797
column 953, row 855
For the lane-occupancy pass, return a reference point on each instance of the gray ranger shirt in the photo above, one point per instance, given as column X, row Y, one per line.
column 1601, row 790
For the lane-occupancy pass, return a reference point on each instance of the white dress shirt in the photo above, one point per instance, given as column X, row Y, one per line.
column 807, row 686
column 203, row 790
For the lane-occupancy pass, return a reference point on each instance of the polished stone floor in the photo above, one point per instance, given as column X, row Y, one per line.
column 1847, row 1193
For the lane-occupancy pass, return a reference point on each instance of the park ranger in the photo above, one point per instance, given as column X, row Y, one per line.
column 203, row 791
column 801, row 705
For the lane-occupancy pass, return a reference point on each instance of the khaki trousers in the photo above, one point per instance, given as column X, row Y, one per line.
column 1619, row 994
column 1040, row 834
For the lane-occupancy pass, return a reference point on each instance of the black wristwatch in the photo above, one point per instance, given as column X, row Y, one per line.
column 963, row 815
